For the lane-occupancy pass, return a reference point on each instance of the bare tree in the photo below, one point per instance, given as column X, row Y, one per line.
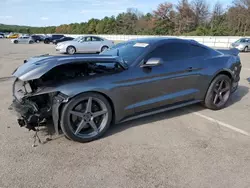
column 164, row 11
column 185, row 17
column 217, row 12
column 200, row 9
column 239, row 16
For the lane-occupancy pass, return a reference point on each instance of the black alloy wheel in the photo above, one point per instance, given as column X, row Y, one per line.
column 86, row 117
column 218, row 93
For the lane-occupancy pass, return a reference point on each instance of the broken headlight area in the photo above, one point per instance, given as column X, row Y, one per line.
column 31, row 110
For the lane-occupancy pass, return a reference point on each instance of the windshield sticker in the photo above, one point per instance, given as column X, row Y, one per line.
column 142, row 45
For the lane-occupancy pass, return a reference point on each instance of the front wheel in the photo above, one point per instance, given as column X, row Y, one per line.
column 218, row 92
column 104, row 48
column 46, row 41
column 246, row 49
column 71, row 50
column 15, row 42
column 86, row 117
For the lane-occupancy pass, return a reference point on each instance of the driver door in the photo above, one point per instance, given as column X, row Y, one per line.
column 85, row 45
column 173, row 81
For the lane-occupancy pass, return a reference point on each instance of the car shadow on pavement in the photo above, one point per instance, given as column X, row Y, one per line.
column 114, row 129
column 238, row 95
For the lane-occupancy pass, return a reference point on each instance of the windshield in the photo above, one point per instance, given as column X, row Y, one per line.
column 79, row 39
column 241, row 40
column 128, row 51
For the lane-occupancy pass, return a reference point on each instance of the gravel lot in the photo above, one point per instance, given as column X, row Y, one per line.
column 190, row 147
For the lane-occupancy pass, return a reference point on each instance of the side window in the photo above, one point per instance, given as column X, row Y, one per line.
column 171, row 51
column 96, row 39
column 198, row 51
column 87, row 39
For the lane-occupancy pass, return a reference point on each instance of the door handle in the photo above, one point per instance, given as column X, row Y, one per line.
column 189, row 69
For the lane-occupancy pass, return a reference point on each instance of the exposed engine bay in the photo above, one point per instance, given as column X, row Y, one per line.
column 33, row 108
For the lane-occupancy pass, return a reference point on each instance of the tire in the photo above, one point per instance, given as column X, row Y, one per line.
column 218, row 92
column 31, row 42
column 71, row 50
column 15, row 41
column 104, row 48
column 70, row 122
column 37, row 41
column 246, row 49
column 46, row 41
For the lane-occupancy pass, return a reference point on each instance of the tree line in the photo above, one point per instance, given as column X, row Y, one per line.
column 195, row 17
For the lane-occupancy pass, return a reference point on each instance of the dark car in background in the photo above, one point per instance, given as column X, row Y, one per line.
column 1, row 35
column 84, row 94
column 51, row 38
column 63, row 39
column 37, row 38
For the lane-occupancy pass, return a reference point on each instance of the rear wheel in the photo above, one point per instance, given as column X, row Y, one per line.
column 15, row 41
column 31, row 42
column 86, row 117
column 218, row 92
column 71, row 50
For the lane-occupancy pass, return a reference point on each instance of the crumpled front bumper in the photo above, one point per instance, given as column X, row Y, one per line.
column 26, row 112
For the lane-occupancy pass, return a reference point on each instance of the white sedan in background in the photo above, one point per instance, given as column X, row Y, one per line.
column 23, row 40
column 84, row 44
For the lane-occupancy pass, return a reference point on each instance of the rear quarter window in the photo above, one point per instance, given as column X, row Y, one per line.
column 199, row 51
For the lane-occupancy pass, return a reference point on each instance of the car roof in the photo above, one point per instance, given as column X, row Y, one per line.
column 155, row 40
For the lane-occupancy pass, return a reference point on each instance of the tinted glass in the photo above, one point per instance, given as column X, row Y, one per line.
column 241, row 40
column 171, row 51
column 198, row 51
column 57, row 36
column 80, row 39
column 87, row 39
column 129, row 51
column 96, row 39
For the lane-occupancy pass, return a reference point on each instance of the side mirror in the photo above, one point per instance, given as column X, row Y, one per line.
column 152, row 62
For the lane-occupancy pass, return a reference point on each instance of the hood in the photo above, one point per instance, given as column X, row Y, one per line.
column 71, row 42
column 36, row 67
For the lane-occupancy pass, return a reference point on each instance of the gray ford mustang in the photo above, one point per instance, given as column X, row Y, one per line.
column 84, row 94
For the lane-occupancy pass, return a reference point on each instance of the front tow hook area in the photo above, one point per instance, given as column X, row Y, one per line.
column 21, row 122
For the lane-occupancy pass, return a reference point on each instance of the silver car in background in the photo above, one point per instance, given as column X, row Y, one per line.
column 243, row 44
column 23, row 40
column 84, row 44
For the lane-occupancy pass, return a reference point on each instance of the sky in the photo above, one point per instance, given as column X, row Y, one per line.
column 57, row 12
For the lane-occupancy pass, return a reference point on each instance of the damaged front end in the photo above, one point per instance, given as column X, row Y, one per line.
column 36, row 94
column 33, row 110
